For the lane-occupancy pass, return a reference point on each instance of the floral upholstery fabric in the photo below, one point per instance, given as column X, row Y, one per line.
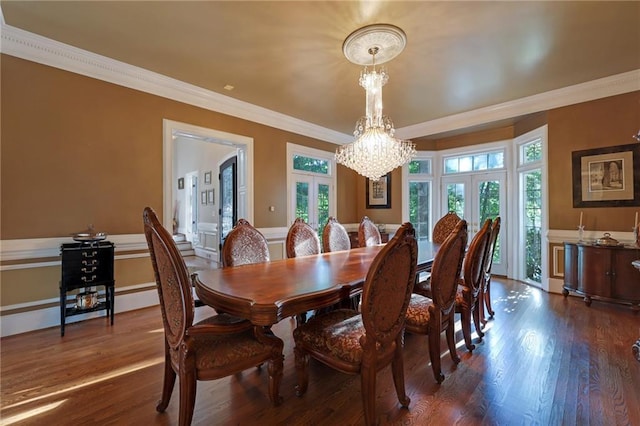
column 336, row 333
column 244, row 245
column 335, row 237
column 368, row 233
column 444, row 226
column 219, row 351
column 302, row 240
column 418, row 312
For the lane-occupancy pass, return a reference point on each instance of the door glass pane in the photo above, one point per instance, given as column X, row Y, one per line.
column 455, row 198
column 323, row 207
column 489, row 207
column 533, row 225
column 302, row 201
column 227, row 198
column 419, row 208
column 309, row 164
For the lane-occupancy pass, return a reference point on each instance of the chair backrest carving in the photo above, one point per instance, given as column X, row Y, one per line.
column 444, row 226
column 334, row 236
column 302, row 240
column 244, row 245
column 491, row 248
column 447, row 266
column 172, row 280
column 387, row 288
column 474, row 259
column 368, row 233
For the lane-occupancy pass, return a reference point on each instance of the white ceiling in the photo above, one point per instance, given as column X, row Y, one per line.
column 287, row 56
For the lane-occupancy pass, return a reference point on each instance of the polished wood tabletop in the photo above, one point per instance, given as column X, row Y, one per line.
column 265, row 293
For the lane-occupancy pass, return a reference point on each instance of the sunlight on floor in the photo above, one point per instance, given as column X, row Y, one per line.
column 30, row 413
column 97, row 379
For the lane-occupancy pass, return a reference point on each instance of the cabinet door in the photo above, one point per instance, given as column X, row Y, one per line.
column 627, row 278
column 571, row 266
column 594, row 271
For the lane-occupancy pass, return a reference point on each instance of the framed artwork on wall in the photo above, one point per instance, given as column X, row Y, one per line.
column 207, row 178
column 210, row 199
column 180, row 183
column 203, row 197
column 379, row 193
column 606, row 177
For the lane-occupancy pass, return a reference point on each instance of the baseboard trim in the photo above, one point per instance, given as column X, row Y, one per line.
column 38, row 319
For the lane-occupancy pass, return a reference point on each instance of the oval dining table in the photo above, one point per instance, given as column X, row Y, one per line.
column 266, row 293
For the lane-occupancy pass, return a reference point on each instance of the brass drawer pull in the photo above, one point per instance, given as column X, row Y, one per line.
column 87, row 254
column 87, row 271
column 88, row 280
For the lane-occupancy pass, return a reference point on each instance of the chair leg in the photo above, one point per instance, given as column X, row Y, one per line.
column 187, row 396
column 275, row 376
column 476, row 315
column 434, row 351
column 168, row 382
column 465, row 319
column 397, row 369
column 302, row 370
column 451, row 338
column 487, row 298
column 368, row 385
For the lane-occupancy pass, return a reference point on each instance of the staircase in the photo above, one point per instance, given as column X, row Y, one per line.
column 185, row 247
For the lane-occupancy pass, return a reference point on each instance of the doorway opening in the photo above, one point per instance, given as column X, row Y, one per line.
column 193, row 155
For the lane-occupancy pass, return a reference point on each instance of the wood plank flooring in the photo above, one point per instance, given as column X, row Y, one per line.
column 545, row 360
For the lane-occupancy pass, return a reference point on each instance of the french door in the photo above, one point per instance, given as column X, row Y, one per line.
column 228, row 212
column 311, row 198
column 476, row 198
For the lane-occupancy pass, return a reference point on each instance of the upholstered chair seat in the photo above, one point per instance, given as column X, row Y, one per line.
column 367, row 341
column 435, row 315
column 469, row 294
column 215, row 347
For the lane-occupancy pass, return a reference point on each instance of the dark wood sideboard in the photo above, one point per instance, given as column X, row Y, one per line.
column 602, row 272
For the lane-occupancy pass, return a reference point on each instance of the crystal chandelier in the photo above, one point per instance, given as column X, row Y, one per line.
column 375, row 152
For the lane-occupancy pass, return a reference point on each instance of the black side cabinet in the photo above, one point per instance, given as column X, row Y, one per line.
column 85, row 265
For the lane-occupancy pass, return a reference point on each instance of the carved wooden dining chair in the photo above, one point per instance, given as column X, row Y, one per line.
column 432, row 316
column 469, row 294
column 335, row 237
column 363, row 343
column 302, row 240
column 444, row 226
column 215, row 347
column 244, row 245
column 488, row 263
column 368, row 233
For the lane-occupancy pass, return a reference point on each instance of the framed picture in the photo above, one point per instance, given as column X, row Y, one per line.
column 606, row 177
column 210, row 199
column 207, row 178
column 203, row 197
column 379, row 193
column 180, row 183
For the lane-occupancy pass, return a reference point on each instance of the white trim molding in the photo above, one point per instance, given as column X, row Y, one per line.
column 38, row 319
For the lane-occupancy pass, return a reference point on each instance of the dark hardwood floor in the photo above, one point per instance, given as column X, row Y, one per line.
column 545, row 360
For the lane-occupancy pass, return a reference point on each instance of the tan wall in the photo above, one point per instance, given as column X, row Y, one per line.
column 605, row 122
column 79, row 151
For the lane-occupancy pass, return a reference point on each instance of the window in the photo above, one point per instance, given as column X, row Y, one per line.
column 474, row 163
column 420, row 181
column 311, row 184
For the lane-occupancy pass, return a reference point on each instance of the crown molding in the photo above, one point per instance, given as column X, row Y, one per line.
column 583, row 92
column 35, row 48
